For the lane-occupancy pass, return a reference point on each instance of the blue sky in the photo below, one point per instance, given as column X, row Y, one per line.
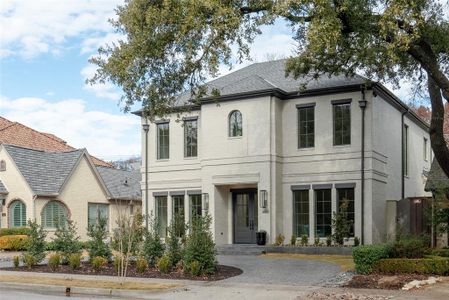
column 44, row 50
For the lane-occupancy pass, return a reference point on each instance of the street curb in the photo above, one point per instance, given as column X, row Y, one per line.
column 74, row 290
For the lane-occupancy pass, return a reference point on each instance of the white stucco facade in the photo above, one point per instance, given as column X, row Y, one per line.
column 266, row 157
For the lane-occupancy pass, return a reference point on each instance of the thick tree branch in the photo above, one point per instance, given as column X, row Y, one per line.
column 436, row 125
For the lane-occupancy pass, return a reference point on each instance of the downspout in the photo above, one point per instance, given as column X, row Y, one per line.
column 402, row 155
column 146, row 128
column 362, row 105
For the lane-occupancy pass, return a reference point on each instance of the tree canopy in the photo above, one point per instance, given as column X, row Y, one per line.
column 172, row 46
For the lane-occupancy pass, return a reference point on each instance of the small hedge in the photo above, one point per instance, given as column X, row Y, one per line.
column 14, row 231
column 424, row 266
column 440, row 252
column 410, row 247
column 13, row 242
column 366, row 257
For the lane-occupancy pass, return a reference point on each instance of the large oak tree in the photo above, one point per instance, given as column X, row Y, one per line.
column 173, row 45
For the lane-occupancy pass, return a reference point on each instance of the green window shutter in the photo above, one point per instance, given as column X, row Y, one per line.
column 53, row 212
column 18, row 214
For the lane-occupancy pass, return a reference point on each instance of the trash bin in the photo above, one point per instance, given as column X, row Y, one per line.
column 261, row 237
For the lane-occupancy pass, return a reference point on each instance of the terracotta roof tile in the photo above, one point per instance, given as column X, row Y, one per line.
column 18, row 134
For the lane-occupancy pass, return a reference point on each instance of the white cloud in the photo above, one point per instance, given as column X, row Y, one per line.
column 103, row 134
column 31, row 28
column 101, row 90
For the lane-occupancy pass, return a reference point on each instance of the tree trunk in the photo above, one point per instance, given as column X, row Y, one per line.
column 437, row 140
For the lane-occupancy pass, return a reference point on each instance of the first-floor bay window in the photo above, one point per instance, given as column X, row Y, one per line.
column 178, row 215
column 301, row 213
column 345, row 198
column 161, row 215
column 323, row 204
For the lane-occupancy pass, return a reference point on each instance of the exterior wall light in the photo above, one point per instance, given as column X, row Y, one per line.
column 263, row 199
column 205, row 200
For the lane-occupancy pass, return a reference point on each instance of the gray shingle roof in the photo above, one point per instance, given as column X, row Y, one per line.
column 436, row 179
column 3, row 189
column 44, row 171
column 271, row 75
column 121, row 184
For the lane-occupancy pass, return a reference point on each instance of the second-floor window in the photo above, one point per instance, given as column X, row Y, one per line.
column 190, row 138
column 235, row 124
column 306, row 126
column 163, row 141
column 342, row 124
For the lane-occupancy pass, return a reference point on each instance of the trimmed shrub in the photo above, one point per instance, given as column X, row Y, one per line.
column 440, row 252
column 153, row 248
column 424, row 266
column 13, row 242
column 75, row 261
column 293, row 240
column 54, row 261
column 365, row 257
column 163, row 264
column 99, row 262
column 118, row 261
column 98, row 234
column 66, row 240
column 280, row 238
column 356, row 241
column 329, row 240
column 195, row 268
column 200, row 246
column 16, row 261
column 141, row 265
column 304, row 240
column 15, row 231
column 410, row 247
column 29, row 260
column 317, row 242
column 174, row 250
column 36, row 241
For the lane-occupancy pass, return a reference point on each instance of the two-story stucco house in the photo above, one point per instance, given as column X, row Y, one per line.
column 264, row 156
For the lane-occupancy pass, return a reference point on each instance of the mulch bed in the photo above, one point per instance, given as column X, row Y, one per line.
column 221, row 273
column 377, row 281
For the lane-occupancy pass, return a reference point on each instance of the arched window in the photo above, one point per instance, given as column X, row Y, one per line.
column 235, row 123
column 17, row 214
column 54, row 212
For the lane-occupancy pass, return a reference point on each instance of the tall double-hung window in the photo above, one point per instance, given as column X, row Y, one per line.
column 306, row 125
column 301, row 212
column 97, row 211
column 163, row 140
column 323, row 212
column 345, row 198
column 161, row 215
column 342, row 122
column 178, row 215
column 191, row 138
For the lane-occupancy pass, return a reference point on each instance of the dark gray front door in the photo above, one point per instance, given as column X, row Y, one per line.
column 245, row 216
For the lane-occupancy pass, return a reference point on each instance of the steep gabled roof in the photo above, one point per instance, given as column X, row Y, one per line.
column 15, row 133
column 44, row 171
column 436, row 179
column 121, row 184
column 3, row 189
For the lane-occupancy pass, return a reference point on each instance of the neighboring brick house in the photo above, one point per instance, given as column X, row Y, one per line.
column 15, row 133
column 45, row 186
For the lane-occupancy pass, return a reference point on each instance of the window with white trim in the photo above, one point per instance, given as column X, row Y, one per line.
column 53, row 213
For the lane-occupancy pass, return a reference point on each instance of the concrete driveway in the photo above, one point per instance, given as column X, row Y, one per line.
column 259, row 269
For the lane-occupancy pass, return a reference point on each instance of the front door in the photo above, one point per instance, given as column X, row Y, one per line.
column 245, row 216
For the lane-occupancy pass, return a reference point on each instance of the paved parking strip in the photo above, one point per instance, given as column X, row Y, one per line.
column 257, row 269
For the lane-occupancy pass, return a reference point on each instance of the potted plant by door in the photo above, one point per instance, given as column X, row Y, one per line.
column 261, row 237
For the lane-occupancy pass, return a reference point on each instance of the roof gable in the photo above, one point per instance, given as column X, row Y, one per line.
column 45, row 172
